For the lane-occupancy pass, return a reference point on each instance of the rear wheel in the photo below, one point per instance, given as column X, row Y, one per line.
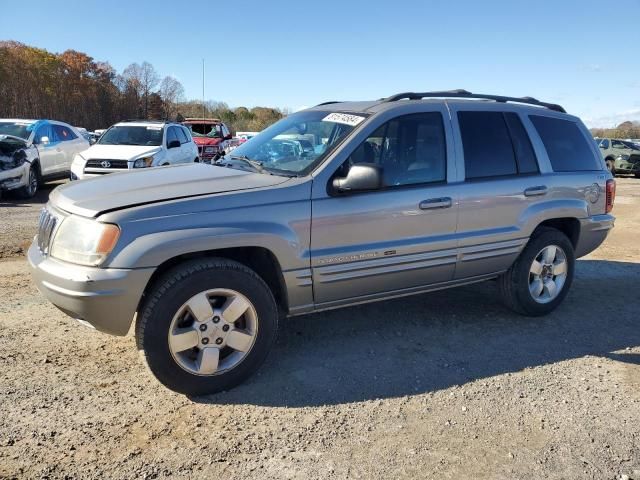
column 611, row 167
column 33, row 181
column 541, row 276
column 207, row 326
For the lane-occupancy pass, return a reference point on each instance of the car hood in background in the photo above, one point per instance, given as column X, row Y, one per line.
column 115, row 191
column 119, row 152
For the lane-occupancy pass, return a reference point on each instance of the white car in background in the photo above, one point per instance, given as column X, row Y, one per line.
column 35, row 151
column 136, row 144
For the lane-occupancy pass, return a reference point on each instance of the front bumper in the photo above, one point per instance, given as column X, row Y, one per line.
column 105, row 298
column 593, row 231
column 15, row 177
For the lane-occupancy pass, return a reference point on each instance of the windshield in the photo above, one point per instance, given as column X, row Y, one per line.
column 299, row 141
column 17, row 129
column 631, row 145
column 150, row 135
column 205, row 130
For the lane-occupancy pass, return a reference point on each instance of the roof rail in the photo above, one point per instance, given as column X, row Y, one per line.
column 460, row 93
column 327, row 103
column 144, row 120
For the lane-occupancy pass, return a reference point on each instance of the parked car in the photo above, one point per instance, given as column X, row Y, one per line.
column 35, row 151
column 132, row 145
column 409, row 194
column 621, row 156
column 211, row 135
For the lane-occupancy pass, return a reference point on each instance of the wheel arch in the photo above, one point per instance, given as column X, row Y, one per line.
column 570, row 226
column 260, row 259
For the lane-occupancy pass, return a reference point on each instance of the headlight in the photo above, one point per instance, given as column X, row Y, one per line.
column 143, row 162
column 84, row 241
column 78, row 160
column 623, row 157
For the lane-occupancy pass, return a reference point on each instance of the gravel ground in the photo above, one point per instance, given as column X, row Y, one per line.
column 443, row 385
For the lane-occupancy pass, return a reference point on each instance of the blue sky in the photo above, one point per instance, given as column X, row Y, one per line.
column 582, row 54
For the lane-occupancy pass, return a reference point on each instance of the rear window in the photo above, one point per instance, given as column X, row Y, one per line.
column 488, row 151
column 566, row 146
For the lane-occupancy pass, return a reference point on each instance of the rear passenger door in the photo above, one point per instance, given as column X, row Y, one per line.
column 396, row 239
column 502, row 180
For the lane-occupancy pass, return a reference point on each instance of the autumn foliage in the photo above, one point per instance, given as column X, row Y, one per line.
column 75, row 88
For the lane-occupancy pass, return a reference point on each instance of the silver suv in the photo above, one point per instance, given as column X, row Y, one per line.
column 340, row 204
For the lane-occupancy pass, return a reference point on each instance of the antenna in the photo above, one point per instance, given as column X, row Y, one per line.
column 203, row 114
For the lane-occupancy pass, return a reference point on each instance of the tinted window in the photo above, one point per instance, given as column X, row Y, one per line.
column 150, row 135
column 604, row 143
column 171, row 135
column 410, row 149
column 44, row 131
column 525, row 156
column 63, row 133
column 567, row 147
column 181, row 135
column 488, row 151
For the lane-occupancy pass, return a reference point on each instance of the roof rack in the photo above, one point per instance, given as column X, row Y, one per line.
column 327, row 103
column 460, row 93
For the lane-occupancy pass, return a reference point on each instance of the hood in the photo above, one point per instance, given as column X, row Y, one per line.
column 12, row 139
column 118, row 152
column 206, row 140
column 115, row 191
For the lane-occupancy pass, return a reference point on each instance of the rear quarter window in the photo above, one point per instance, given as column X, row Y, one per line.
column 566, row 146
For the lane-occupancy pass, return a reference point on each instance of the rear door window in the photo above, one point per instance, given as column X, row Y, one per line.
column 488, row 151
column 566, row 146
column 63, row 133
column 525, row 156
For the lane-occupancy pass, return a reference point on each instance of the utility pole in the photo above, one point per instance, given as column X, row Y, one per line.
column 203, row 115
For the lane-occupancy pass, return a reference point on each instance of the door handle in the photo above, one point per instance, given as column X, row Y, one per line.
column 443, row 202
column 534, row 191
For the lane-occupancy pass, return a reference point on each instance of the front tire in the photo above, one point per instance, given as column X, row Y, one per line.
column 611, row 167
column 33, row 182
column 541, row 276
column 206, row 326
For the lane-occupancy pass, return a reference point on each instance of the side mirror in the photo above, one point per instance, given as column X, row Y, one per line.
column 174, row 144
column 361, row 177
column 44, row 140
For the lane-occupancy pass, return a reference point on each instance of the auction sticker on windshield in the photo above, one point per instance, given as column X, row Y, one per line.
column 345, row 118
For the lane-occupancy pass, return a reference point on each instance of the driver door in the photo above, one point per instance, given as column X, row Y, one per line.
column 49, row 150
column 396, row 239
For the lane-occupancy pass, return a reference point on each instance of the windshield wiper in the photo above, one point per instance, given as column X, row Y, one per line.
column 252, row 163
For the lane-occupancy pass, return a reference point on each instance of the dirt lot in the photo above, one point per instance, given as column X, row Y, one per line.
column 445, row 385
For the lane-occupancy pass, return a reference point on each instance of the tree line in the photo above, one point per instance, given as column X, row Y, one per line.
column 73, row 87
column 624, row 130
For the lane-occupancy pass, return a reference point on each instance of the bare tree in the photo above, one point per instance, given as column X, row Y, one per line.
column 149, row 80
column 171, row 92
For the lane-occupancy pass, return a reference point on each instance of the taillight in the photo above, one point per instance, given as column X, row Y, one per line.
column 611, row 194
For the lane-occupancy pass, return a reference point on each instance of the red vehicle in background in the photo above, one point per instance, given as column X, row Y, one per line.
column 211, row 136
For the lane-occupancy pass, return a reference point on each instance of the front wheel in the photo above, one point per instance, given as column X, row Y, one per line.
column 206, row 326
column 33, row 181
column 541, row 276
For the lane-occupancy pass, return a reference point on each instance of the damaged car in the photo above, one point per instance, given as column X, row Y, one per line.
column 35, row 151
column 16, row 158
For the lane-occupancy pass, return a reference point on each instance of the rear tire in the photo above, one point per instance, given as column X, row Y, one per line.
column 519, row 286
column 168, row 313
column 33, row 182
column 611, row 167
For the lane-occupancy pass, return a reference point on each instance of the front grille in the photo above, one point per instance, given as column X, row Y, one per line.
column 98, row 163
column 635, row 159
column 46, row 226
